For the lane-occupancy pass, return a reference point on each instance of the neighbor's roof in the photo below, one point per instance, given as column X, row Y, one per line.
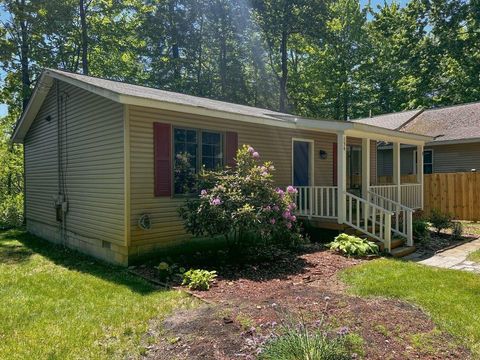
column 448, row 124
column 393, row 121
column 451, row 124
column 130, row 94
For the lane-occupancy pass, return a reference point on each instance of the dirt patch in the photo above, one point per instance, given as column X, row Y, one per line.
column 248, row 304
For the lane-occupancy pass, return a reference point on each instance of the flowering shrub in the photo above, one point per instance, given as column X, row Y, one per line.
column 241, row 201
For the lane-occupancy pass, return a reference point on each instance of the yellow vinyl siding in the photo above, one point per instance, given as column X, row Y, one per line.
column 41, row 165
column 94, row 163
column 273, row 144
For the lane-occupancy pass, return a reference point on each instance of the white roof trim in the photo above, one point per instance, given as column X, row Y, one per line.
column 289, row 121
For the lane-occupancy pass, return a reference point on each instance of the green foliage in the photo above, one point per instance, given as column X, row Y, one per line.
column 420, row 228
column 353, row 246
column 11, row 211
column 198, row 279
column 299, row 342
column 242, row 202
column 457, row 230
column 440, row 221
column 11, row 178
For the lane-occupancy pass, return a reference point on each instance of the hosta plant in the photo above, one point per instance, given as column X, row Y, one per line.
column 198, row 279
column 353, row 246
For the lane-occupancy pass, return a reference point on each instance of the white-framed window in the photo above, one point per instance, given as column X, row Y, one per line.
column 194, row 149
column 427, row 161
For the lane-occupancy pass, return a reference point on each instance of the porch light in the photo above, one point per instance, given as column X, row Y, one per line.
column 323, row 154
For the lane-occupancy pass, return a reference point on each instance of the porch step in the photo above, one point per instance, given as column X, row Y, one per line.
column 403, row 251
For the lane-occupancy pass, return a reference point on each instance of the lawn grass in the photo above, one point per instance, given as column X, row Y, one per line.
column 450, row 297
column 59, row 304
column 474, row 256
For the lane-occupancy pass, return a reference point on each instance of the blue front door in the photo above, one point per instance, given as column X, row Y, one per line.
column 301, row 163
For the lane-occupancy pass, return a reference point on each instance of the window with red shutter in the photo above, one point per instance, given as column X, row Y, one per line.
column 162, row 138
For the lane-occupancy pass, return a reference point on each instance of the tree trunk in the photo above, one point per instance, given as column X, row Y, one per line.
column 284, row 57
column 83, row 22
column 174, row 40
column 24, row 56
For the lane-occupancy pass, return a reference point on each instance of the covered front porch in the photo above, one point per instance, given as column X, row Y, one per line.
column 380, row 211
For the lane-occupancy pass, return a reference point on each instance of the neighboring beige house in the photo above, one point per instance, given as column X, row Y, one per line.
column 456, row 144
column 100, row 157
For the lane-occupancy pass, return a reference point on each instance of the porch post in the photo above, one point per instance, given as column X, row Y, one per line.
column 396, row 171
column 420, row 171
column 341, row 176
column 365, row 168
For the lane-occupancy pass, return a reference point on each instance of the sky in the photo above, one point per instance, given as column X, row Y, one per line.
column 3, row 107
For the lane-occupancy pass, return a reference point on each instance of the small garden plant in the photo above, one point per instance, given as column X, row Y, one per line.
column 420, row 228
column 440, row 221
column 198, row 279
column 457, row 230
column 298, row 340
column 353, row 246
column 243, row 202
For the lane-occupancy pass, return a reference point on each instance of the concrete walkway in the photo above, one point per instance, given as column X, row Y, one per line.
column 455, row 258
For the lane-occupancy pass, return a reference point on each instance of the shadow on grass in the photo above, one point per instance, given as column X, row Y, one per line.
column 11, row 252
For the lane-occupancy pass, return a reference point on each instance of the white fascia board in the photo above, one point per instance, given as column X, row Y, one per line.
column 453, row 142
column 39, row 94
column 387, row 135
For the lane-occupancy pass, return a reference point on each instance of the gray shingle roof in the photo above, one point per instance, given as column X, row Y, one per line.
column 459, row 122
column 173, row 97
column 391, row 121
column 452, row 123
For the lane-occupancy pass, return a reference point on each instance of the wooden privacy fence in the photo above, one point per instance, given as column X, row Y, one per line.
column 455, row 193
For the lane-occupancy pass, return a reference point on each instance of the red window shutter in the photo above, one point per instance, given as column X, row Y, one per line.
column 162, row 140
column 334, row 164
column 231, row 147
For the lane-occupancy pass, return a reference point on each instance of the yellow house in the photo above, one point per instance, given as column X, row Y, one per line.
column 100, row 162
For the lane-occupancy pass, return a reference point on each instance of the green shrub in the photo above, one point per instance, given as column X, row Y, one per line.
column 11, row 211
column 353, row 246
column 457, row 230
column 420, row 228
column 241, row 202
column 440, row 221
column 198, row 279
column 301, row 343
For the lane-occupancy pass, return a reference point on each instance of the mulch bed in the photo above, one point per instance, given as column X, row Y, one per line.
column 245, row 303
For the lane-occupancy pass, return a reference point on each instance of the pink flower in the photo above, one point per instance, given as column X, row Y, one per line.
column 272, row 221
column 203, row 192
column 291, row 190
column 251, row 150
column 293, row 218
column 268, row 208
column 276, row 208
column 286, row 214
column 264, row 173
column 280, row 192
column 256, row 155
column 216, row 201
column 289, row 225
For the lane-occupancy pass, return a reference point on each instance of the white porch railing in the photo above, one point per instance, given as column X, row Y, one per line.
column 402, row 223
column 386, row 191
column 317, row 201
column 411, row 194
column 369, row 218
